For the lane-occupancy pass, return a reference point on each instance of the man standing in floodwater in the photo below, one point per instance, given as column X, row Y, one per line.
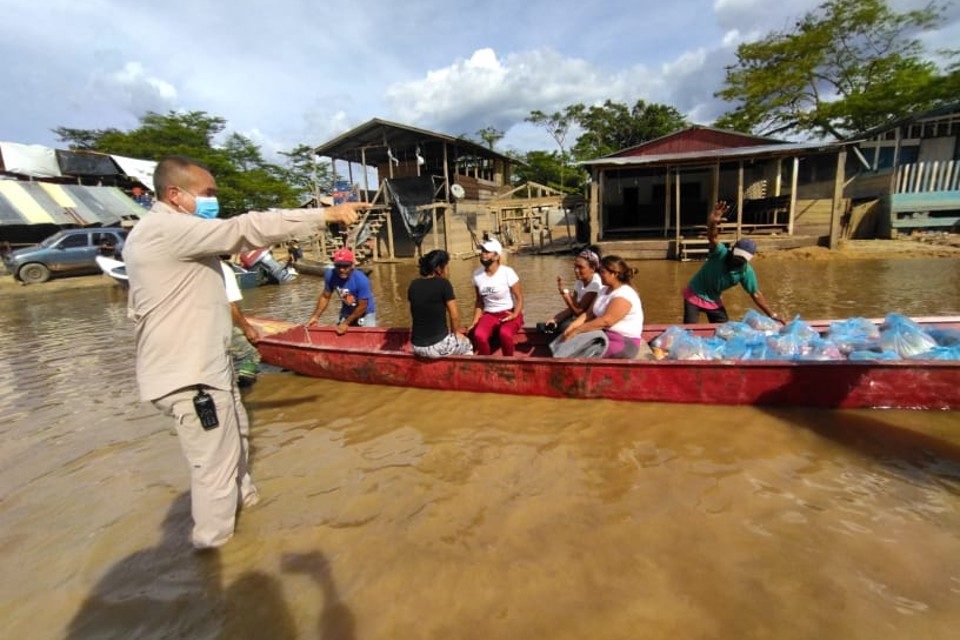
column 183, row 329
column 723, row 269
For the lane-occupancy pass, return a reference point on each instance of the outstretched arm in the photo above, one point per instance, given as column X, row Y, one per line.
column 322, row 303
column 761, row 303
column 714, row 218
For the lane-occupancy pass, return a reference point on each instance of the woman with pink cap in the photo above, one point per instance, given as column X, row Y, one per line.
column 499, row 306
column 357, row 307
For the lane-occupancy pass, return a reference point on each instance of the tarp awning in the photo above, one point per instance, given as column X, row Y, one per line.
column 79, row 163
column 30, row 160
column 28, row 203
column 141, row 170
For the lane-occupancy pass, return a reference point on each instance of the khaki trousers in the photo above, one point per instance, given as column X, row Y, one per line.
column 218, row 458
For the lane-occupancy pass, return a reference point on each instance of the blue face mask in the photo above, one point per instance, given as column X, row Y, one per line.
column 207, row 207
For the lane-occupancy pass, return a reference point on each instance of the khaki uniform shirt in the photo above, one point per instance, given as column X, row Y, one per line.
column 183, row 322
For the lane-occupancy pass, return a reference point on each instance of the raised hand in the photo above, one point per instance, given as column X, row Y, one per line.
column 719, row 211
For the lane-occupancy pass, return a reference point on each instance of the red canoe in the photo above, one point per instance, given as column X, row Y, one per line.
column 382, row 356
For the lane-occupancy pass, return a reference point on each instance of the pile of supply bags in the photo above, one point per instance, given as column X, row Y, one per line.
column 758, row 337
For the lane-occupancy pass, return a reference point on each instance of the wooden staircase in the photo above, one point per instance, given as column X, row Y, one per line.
column 693, row 249
column 357, row 236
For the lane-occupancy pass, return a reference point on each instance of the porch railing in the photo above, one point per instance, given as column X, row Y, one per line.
column 928, row 176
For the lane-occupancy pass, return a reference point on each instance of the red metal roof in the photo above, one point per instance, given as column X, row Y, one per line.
column 693, row 139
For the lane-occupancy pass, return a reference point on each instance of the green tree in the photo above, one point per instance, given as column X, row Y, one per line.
column 845, row 67
column 613, row 126
column 547, row 168
column 491, row 135
column 557, row 124
column 246, row 181
column 305, row 172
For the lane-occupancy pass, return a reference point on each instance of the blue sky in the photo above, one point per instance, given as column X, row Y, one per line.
column 290, row 71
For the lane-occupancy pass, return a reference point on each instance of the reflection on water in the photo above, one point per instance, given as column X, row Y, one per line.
column 404, row 513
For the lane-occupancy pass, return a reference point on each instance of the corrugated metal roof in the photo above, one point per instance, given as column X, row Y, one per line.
column 694, row 157
column 376, row 134
column 27, row 203
column 697, row 133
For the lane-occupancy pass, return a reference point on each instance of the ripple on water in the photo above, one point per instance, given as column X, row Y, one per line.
column 446, row 514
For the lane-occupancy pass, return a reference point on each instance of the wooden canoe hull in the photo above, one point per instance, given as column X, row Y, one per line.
column 382, row 356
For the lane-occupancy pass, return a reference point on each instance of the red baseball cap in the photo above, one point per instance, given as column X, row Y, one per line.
column 344, row 255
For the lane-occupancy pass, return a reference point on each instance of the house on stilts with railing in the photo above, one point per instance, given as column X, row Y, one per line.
column 429, row 190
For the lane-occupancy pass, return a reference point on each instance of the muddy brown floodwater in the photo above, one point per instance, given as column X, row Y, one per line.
column 404, row 513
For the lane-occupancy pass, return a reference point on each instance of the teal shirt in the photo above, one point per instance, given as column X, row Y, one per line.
column 714, row 277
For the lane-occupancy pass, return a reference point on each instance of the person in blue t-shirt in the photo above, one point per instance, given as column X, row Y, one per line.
column 353, row 287
column 723, row 269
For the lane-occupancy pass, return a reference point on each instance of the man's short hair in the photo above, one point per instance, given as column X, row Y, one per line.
column 172, row 171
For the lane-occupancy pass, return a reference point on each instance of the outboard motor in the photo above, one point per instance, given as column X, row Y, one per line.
column 263, row 260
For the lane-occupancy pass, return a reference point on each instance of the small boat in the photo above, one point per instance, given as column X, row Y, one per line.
column 113, row 268
column 247, row 279
column 314, row 268
column 383, row 356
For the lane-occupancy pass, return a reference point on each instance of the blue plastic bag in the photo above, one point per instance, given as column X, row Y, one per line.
column 855, row 334
column 801, row 329
column 666, row 339
column 734, row 329
column 940, row 353
column 821, row 350
column 761, row 322
column 903, row 336
column 691, row 347
column 945, row 337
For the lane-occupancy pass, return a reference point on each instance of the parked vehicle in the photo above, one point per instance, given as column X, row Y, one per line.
column 67, row 252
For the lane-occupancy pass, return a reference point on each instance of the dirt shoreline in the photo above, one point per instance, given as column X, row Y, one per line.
column 929, row 246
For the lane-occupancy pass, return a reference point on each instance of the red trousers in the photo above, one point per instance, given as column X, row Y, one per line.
column 490, row 326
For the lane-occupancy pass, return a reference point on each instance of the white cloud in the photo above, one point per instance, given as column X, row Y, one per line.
column 293, row 74
column 486, row 89
column 132, row 89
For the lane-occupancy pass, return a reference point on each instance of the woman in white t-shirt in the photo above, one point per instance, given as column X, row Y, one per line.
column 585, row 289
column 617, row 311
column 499, row 306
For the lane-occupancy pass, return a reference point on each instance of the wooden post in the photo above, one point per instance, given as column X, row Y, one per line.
column 667, row 199
column 595, row 209
column 793, row 195
column 676, row 207
column 350, row 172
column 436, row 237
column 366, row 181
column 837, row 213
column 390, row 247
column 778, row 180
column 715, row 187
column 739, row 198
column 446, row 177
column 446, row 228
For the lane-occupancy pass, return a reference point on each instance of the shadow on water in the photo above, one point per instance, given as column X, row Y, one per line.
column 171, row 591
column 336, row 620
column 864, row 431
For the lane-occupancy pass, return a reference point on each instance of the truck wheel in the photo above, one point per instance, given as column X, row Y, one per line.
column 34, row 273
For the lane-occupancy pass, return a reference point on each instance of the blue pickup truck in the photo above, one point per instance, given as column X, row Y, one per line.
column 67, row 252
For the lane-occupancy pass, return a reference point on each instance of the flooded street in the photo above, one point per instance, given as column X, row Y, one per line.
column 405, row 513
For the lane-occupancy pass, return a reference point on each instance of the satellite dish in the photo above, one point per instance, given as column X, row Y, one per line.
column 457, row 192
